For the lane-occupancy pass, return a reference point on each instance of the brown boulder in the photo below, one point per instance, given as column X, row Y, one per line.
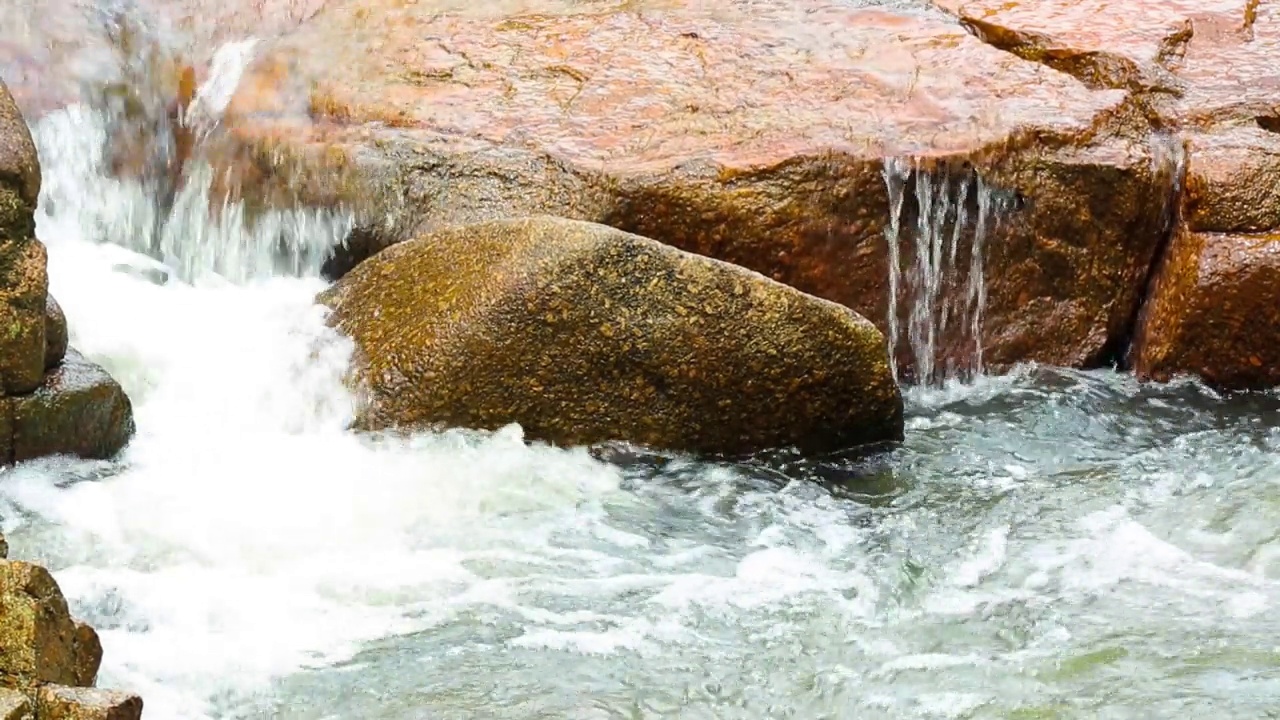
column 14, row 705
column 1213, row 312
column 39, row 640
column 23, row 282
column 584, row 334
column 79, row 410
column 54, row 702
column 55, row 333
column 751, row 133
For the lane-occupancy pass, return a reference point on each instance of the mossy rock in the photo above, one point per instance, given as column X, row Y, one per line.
column 583, row 334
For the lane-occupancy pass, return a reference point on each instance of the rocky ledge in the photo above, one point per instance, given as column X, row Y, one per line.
column 1124, row 153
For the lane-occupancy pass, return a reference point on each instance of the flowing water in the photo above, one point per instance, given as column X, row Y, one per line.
column 1046, row 544
column 944, row 289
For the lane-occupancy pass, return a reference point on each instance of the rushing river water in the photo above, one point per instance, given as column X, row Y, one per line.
column 1046, row 544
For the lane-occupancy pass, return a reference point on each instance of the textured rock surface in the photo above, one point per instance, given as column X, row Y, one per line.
column 77, row 703
column 55, row 333
column 1214, row 312
column 23, row 283
column 39, row 640
column 79, row 409
column 14, row 705
column 754, row 134
column 74, row 407
column 1212, row 307
column 582, row 334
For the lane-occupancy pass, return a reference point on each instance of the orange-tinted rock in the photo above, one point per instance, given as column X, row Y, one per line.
column 1213, row 312
column 1233, row 182
column 1105, row 43
column 1232, row 77
column 49, row 47
column 755, row 134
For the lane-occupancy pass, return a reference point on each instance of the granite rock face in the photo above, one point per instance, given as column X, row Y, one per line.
column 761, row 135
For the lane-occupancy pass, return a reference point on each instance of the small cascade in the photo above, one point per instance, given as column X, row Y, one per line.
column 942, row 219
column 155, row 196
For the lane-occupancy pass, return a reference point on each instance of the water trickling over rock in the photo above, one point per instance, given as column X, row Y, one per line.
column 941, row 218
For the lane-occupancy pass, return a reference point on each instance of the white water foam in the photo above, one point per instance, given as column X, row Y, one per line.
column 245, row 532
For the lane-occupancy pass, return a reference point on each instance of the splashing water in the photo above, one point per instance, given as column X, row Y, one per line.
column 934, row 212
column 247, row 557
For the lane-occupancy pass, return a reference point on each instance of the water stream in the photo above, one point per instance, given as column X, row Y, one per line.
column 944, row 289
column 1046, row 544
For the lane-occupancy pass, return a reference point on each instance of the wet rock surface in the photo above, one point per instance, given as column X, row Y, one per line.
column 75, row 703
column 78, row 410
column 585, row 334
column 39, row 640
column 756, row 136
column 55, row 333
column 52, row 403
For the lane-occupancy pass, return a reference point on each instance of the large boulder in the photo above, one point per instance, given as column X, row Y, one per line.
column 754, row 133
column 39, row 640
column 583, row 334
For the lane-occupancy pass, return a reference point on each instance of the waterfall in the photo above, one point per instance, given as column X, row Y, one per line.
column 164, row 205
column 943, row 218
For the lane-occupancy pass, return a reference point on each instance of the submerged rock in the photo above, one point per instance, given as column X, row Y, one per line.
column 39, row 640
column 582, row 334
column 78, row 410
column 54, row 702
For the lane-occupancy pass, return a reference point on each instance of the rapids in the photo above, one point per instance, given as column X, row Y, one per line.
column 1046, row 544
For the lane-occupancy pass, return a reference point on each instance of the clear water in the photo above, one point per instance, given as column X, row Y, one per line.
column 1046, row 544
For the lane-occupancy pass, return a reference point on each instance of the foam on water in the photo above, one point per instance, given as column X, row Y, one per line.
column 247, row 556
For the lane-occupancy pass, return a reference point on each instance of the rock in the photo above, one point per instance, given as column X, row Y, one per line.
column 23, row 282
column 774, row 160
column 18, row 166
column 83, row 703
column 583, row 334
column 55, row 333
column 1213, row 313
column 1131, row 45
column 78, row 410
column 4, row 547
column 14, row 705
column 39, row 640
